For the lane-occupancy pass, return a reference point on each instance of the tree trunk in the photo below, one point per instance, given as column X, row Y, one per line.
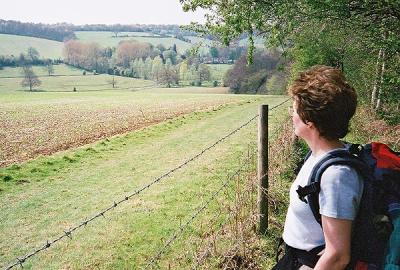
column 379, row 99
column 378, row 72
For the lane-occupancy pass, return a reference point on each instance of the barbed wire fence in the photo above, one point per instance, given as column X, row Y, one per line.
column 19, row 261
column 240, row 224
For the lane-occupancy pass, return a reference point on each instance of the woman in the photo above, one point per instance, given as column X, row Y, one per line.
column 323, row 104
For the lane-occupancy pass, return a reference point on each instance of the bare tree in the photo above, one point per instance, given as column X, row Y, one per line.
column 113, row 81
column 30, row 78
column 49, row 68
column 33, row 54
column 204, row 73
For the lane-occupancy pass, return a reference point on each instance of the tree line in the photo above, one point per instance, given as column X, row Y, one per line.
column 360, row 37
column 63, row 31
column 262, row 76
column 58, row 32
column 138, row 60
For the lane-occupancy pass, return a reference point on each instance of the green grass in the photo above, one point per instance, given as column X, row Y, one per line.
column 218, row 71
column 80, row 82
column 59, row 82
column 47, row 195
column 60, row 69
column 196, row 40
column 14, row 45
column 106, row 39
column 45, row 122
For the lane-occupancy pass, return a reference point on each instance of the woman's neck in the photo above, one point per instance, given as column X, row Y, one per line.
column 320, row 145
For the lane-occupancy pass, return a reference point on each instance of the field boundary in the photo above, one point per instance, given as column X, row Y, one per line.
column 68, row 233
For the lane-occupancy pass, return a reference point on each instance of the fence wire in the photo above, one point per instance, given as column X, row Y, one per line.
column 68, row 233
column 182, row 228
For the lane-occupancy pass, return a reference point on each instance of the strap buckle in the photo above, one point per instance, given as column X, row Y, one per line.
column 303, row 192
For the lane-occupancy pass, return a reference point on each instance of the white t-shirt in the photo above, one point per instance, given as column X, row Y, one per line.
column 340, row 195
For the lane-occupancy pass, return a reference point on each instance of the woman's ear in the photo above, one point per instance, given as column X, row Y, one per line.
column 310, row 125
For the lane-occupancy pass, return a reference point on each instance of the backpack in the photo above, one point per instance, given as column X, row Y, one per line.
column 376, row 230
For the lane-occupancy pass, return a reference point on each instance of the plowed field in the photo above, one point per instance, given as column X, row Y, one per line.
column 39, row 123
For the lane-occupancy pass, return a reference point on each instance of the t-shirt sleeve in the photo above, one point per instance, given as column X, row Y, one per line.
column 341, row 191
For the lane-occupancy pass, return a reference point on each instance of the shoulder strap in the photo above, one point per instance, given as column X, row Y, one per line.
column 311, row 191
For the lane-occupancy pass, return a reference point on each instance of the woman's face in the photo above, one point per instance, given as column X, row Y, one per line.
column 301, row 129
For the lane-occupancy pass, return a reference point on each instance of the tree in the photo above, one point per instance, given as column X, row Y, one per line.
column 157, row 67
column 204, row 73
column 113, row 81
column 130, row 50
column 360, row 37
column 214, row 53
column 183, row 70
column 169, row 75
column 49, row 68
column 147, row 68
column 170, row 54
column 33, row 54
column 244, row 78
column 30, row 78
column 161, row 47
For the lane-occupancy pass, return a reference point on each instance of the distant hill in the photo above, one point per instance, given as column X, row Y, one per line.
column 14, row 45
column 108, row 39
column 58, row 32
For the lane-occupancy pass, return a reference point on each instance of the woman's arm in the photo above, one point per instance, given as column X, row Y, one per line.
column 337, row 233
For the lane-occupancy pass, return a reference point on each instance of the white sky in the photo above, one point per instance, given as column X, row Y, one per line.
column 99, row 11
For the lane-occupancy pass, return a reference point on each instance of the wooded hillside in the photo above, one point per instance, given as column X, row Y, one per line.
column 360, row 37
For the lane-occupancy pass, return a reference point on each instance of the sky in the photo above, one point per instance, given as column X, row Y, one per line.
column 99, row 12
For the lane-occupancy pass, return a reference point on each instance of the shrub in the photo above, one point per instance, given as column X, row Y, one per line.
column 84, row 73
column 215, row 83
column 7, row 178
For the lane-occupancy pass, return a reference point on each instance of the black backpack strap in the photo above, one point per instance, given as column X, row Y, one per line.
column 311, row 191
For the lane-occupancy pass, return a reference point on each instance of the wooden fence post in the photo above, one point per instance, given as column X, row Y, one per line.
column 263, row 167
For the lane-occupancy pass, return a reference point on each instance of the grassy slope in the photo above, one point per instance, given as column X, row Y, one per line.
column 85, row 83
column 14, row 45
column 218, row 71
column 196, row 40
column 80, row 82
column 59, row 191
column 46, row 122
column 107, row 39
column 61, row 69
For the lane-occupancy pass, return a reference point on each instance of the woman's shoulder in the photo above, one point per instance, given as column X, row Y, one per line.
column 341, row 174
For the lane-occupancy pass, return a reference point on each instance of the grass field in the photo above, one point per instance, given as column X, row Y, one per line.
column 45, row 122
column 106, row 39
column 10, row 79
column 42, row 71
column 197, row 40
column 79, row 82
column 14, row 45
column 48, row 195
column 218, row 71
